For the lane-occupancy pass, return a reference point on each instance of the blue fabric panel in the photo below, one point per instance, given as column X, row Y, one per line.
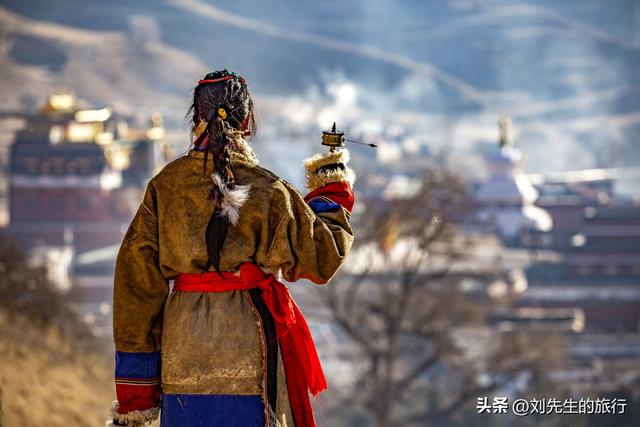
column 320, row 205
column 137, row 365
column 211, row 410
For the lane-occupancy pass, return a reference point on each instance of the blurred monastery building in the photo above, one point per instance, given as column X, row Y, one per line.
column 76, row 177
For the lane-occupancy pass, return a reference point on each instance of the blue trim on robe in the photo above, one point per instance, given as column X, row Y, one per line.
column 211, row 410
column 319, row 205
column 138, row 365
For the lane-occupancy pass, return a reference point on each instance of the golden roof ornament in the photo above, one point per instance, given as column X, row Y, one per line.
column 505, row 131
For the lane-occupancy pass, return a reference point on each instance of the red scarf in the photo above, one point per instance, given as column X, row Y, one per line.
column 301, row 363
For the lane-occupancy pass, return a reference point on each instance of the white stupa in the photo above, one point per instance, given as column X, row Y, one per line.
column 507, row 198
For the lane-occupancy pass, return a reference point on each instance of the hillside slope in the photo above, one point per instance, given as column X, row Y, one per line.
column 565, row 71
column 133, row 74
column 46, row 380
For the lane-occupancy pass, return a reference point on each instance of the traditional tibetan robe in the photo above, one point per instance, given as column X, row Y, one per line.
column 213, row 358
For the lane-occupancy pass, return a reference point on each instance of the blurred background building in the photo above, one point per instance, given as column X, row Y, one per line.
column 75, row 179
column 508, row 171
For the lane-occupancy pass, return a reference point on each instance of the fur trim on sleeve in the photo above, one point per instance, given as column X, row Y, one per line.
column 317, row 178
column 133, row 418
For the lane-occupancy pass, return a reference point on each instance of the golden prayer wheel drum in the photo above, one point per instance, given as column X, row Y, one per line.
column 333, row 138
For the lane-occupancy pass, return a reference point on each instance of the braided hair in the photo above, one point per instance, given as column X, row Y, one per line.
column 222, row 113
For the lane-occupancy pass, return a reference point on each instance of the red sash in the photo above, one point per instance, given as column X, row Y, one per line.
column 301, row 363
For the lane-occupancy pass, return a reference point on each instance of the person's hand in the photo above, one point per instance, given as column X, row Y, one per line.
column 140, row 418
column 116, row 423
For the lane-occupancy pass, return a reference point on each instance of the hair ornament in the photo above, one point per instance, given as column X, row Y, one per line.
column 222, row 113
column 221, row 79
column 220, row 76
column 197, row 131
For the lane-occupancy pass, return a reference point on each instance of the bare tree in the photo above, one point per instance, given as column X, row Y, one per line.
column 416, row 335
column 26, row 292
